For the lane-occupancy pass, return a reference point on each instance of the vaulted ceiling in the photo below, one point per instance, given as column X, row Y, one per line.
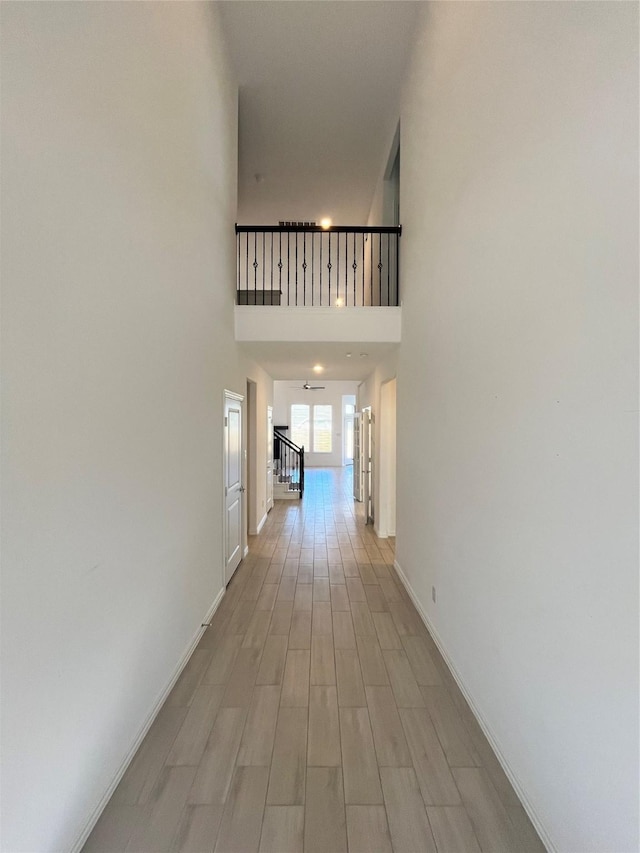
column 318, row 103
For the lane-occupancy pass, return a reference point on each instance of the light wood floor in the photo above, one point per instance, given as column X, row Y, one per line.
column 316, row 714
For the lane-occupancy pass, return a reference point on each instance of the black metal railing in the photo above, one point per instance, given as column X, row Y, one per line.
column 313, row 266
column 288, row 462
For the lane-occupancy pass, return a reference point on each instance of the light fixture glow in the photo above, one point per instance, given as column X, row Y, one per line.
column 348, row 355
column 318, row 368
column 364, row 355
column 339, row 302
column 325, row 223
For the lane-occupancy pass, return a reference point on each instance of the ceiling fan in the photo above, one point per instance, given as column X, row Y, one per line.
column 307, row 387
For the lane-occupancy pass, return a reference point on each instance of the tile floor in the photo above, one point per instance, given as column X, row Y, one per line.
column 316, row 714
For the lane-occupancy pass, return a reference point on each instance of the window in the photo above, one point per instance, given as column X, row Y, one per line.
column 300, row 427
column 312, row 434
column 322, row 429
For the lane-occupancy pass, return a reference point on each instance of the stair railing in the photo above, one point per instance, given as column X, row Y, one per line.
column 288, row 463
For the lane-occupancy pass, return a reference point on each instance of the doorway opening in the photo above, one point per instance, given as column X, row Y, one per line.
column 348, row 414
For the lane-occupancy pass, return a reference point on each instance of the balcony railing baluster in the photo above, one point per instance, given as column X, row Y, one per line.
column 288, row 266
column 338, row 269
column 313, row 264
column 355, row 266
column 380, row 269
column 329, row 267
column 321, row 265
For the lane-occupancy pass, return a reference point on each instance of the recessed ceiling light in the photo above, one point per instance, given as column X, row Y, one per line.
column 364, row 355
column 348, row 355
column 325, row 222
column 318, row 368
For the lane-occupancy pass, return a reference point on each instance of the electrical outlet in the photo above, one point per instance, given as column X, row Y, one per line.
column 433, row 594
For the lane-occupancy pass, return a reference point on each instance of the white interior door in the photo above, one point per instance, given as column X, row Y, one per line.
column 357, row 458
column 269, row 458
column 233, row 487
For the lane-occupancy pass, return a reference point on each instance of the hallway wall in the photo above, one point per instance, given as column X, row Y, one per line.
column 518, row 385
column 118, row 263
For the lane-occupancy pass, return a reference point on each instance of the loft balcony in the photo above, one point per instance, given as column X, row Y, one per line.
column 307, row 283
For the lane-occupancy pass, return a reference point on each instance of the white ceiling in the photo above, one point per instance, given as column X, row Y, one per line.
column 296, row 360
column 319, row 103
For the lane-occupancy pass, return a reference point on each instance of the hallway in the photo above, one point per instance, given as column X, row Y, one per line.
column 316, row 714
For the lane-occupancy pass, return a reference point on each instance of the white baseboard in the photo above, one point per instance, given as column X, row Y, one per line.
column 256, row 530
column 544, row 836
column 245, row 552
column 157, row 705
column 383, row 534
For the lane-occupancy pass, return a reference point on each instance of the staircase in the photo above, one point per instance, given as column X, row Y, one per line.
column 288, row 468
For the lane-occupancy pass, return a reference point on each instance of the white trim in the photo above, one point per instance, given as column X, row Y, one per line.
column 245, row 552
column 261, row 524
column 153, row 713
column 535, row 820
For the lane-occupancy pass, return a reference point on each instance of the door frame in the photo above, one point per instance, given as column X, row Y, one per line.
column 386, row 446
column 358, row 486
column 250, row 429
column 233, row 396
column 367, row 449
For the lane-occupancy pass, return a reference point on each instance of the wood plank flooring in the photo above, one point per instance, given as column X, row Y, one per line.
column 316, row 714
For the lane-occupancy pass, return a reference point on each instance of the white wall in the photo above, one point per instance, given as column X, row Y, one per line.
column 285, row 394
column 382, row 204
column 518, row 383
column 119, row 180
column 348, row 325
